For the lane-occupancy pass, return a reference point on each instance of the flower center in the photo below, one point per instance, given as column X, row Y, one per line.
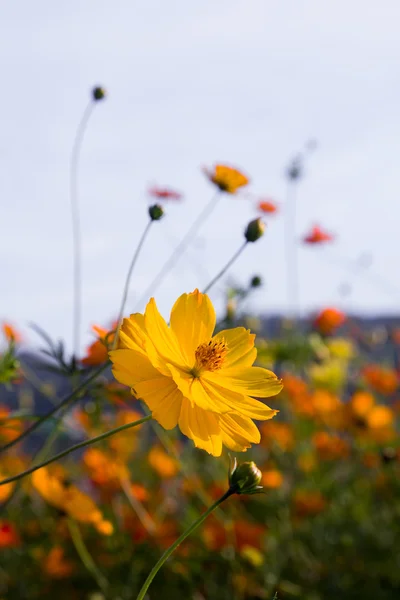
column 209, row 357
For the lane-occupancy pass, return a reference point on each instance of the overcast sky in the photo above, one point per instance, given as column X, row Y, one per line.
column 245, row 82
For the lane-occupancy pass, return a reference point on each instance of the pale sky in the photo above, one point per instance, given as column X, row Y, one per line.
column 243, row 82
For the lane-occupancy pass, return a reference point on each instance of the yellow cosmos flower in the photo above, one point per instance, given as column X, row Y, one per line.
column 227, row 179
column 189, row 377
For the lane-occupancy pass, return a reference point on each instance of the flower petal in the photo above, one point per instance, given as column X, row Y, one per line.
column 252, row 381
column 238, row 403
column 193, row 322
column 161, row 336
column 202, row 427
column 238, row 433
column 240, row 346
column 192, row 388
column 132, row 333
column 163, row 399
column 133, row 366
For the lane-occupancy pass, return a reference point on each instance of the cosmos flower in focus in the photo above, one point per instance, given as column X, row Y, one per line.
column 190, row 377
column 164, row 193
column 318, row 236
column 227, row 179
column 267, row 207
column 328, row 320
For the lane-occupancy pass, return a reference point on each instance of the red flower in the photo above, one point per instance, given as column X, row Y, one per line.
column 267, row 207
column 164, row 193
column 9, row 537
column 318, row 236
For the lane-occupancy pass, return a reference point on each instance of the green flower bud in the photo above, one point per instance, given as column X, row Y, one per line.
column 255, row 229
column 255, row 281
column 98, row 93
column 156, row 212
column 245, row 478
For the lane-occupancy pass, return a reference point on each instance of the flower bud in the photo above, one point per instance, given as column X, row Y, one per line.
column 98, row 93
column 156, row 212
column 255, row 229
column 245, row 478
column 255, row 281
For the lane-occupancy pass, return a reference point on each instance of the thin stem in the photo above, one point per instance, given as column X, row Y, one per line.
column 78, row 446
column 128, row 280
column 138, row 507
column 76, row 227
column 180, row 539
column 86, row 557
column 180, row 249
column 292, row 275
column 72, row 396
column 226, row 267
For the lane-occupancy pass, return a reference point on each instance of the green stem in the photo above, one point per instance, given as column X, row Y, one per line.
column 76, row 228
column 180, row 539
column 127, row 282
column 226, row 267
column 179, row 250
column 86, row 557
column 83, row 444
column 72, row 396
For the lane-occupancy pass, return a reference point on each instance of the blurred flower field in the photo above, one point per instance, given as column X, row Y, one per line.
column 160, row 432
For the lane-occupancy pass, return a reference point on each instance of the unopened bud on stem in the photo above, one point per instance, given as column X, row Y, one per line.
column 98, row 93
column 156, row 212
column 245, row 478
column 254, row 230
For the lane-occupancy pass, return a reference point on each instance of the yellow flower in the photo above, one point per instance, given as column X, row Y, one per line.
column 189, row 377
column 227, row 179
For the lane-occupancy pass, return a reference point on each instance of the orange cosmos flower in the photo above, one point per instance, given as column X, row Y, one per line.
column 69, row 499
column 381, row 379
column 97, row 352
column 277, row 433
column 267, row 207
column 244, row 534
column 9, row 428
column 327, row 407
column 272, row 479
column 103, row 470
column 163, row 464
column 10, row 333
column 56, row 565
column 308, row 503
column 227, row 179
column 164, row 193
column 318, row 236
column 330, row 446
column 328, row 320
